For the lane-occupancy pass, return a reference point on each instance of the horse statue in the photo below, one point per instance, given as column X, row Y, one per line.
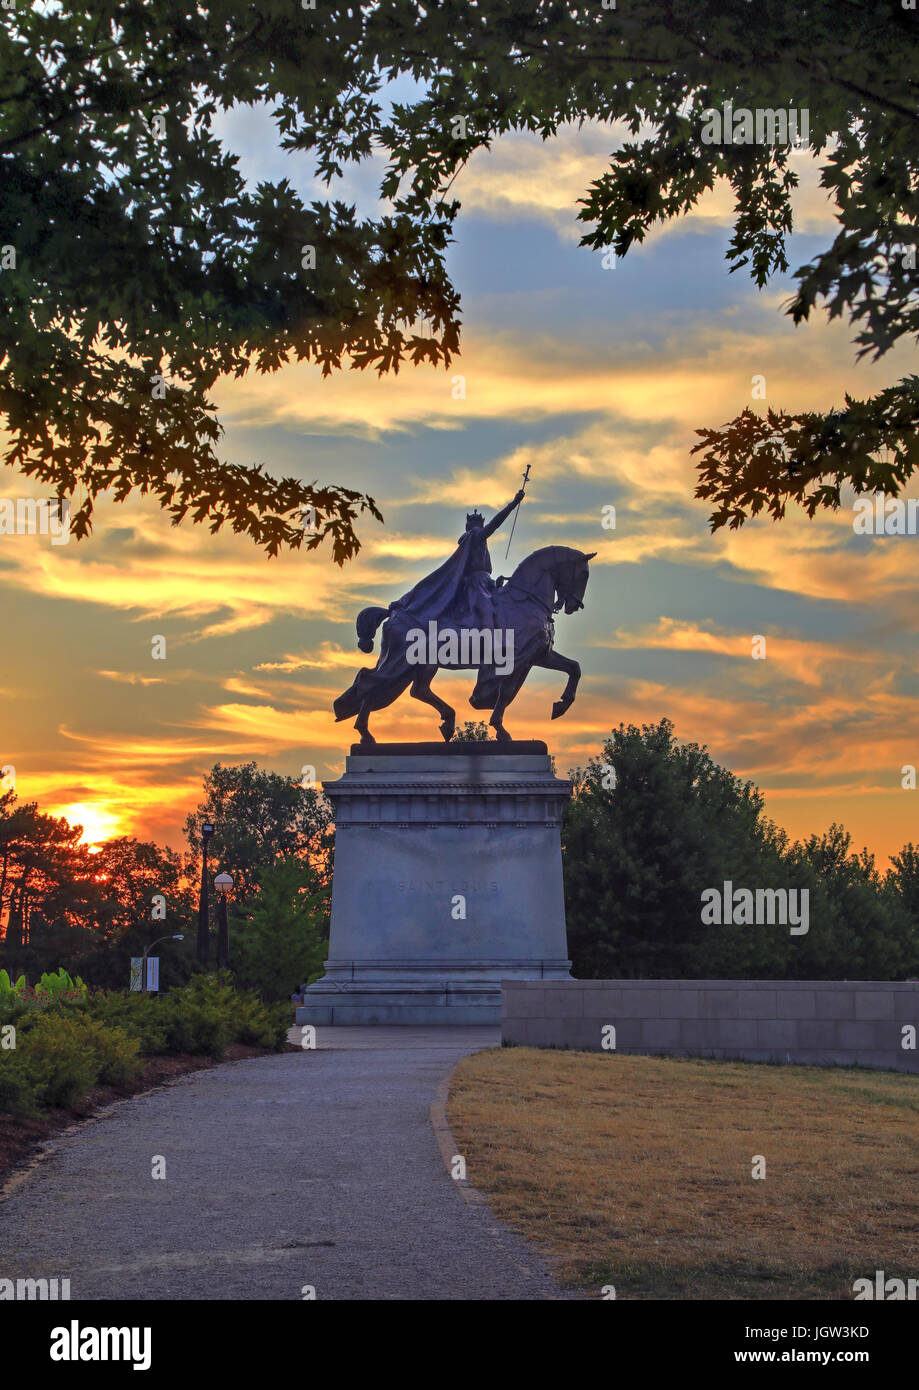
column 420, row 637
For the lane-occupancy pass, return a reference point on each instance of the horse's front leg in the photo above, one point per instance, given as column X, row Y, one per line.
column 554, row 661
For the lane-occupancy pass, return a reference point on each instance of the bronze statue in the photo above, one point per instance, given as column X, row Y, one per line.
column 458, row 618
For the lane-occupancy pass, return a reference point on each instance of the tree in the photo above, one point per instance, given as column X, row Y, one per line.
column 127, row 881
column 62, row 904
column 143, row 270
column 260, row 818
column 654, row 824
column 278, row 939
column 862, row 931
column 40, row 865
column 903, row 881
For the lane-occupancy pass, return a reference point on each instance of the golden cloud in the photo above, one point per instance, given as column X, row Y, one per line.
column 523, row 176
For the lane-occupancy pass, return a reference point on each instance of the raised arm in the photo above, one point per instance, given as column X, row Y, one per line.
column 500, row 517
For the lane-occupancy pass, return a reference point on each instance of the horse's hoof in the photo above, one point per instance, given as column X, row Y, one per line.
column 448, row 730
column 367, row 741
column 503, row 736
column 558, row 709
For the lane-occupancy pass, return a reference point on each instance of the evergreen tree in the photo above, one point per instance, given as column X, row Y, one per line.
column 279, row 937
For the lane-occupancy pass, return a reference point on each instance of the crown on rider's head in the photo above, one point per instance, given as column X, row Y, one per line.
column 474, row 519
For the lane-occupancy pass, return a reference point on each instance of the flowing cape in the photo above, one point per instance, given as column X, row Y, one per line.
column 441, row 592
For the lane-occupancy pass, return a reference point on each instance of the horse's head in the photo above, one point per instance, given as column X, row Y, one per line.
column 571, row 580
column 556, row 575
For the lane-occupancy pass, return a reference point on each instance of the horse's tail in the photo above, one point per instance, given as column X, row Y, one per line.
column 368, row 620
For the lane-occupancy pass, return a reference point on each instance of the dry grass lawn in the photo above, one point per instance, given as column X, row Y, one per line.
column 637, row 1171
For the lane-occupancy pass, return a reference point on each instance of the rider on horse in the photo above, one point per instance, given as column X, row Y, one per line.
column 462, row 587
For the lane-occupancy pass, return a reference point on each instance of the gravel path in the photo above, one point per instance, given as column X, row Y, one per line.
column 319, row 1168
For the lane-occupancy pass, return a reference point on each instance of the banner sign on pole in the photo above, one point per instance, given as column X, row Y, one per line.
column 153, row 973
column 136, row 966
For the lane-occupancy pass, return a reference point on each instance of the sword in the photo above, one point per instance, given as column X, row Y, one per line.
column 516, row 510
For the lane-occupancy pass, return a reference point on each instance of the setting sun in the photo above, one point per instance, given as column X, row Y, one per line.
column 98, row 824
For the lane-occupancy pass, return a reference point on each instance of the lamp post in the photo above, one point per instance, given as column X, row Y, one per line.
column 147, row 949
column 207, row 831
column 223, row 883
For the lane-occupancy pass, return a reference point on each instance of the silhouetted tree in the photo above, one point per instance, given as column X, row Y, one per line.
column 144, row 269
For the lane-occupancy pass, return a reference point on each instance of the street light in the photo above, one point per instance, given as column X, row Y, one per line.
column 143, row 968
column 223, row 883
column 207, row 831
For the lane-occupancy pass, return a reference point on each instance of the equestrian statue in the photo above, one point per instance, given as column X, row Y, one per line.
column 460, row 618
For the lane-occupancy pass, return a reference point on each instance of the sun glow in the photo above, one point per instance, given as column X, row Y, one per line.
column 98, row 824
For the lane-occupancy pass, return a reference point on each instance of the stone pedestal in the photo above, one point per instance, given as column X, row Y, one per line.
column 448, row 880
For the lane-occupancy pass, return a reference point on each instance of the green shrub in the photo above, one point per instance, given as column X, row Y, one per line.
column 197, row 1029
column 191, row 1019
column 135, row 1013
column 261, row 1025
column 196, row 1020
column 209, row 1002
column 17, row 1093
column 14, row 1009
column 248, row 1018
column 65, row 1048
column 118, row 1055
column 59, row 1057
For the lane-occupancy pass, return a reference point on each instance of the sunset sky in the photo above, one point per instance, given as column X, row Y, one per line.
column 597, row 379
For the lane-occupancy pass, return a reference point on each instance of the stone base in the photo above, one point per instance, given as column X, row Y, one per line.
column 448, row 1004
column 492, row 749
column 410, row 992
column 447, row 881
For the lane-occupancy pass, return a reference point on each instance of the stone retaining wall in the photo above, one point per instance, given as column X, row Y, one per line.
column 848, row 1023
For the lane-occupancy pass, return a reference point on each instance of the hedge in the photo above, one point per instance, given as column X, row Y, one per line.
column 53, row 1055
